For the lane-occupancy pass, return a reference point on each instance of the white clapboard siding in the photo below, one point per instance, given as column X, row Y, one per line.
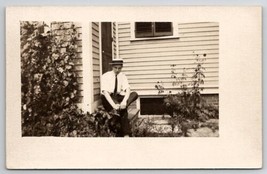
column 165, row 71
column 198, row 25
column 170, row 41
column 96, row 73
column 149, row 61
column 96, row 79
column 96, row 67
column 184, row 57
column 144, row 68
column 124, row 36
column 96, row 85
column 96, row 60
column 174, row 53
column 166, row 80
column 165, row 76
column 114, row 39
column 200, row 29
column 171, row 62
column 195, row 34
column 168, row 85
column 170, row 44
column 171, row 49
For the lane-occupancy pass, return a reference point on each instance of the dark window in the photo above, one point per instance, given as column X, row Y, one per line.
column 153, row 29
column 151, row 106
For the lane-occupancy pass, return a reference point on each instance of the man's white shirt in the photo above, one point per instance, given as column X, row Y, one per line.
column 108, row 82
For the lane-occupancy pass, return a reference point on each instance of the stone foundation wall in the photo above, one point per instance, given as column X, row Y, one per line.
column 212, row 99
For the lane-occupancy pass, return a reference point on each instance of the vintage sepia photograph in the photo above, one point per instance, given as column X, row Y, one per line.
column 145, row 79
column 134, row 88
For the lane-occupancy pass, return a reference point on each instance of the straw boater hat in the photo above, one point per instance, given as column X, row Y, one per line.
column 116, row 62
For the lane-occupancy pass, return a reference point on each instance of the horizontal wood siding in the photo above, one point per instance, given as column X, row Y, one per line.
column 149, row 61
column 96, row 60
column 114, row 40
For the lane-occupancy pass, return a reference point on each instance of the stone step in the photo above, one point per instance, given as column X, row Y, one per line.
column 133, row 114
column 162, row 127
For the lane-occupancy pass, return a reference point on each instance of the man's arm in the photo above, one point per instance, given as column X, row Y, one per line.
column 111, row 102
column 104, row 90
column 126, row 97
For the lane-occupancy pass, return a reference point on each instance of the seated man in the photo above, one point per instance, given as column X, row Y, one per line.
column 116, row 94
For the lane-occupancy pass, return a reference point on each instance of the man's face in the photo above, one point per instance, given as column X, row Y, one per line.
column 117, row 69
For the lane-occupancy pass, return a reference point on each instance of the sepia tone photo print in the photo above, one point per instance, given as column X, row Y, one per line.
column 145, row 79
column 134, row 88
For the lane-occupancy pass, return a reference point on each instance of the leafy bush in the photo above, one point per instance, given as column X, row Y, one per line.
column 188, row 107
column 73, row 122
column 48, row 82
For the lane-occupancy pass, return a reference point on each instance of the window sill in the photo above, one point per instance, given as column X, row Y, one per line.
column 154, row 38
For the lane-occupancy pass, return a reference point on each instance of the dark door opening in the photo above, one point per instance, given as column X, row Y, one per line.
column 106, row 35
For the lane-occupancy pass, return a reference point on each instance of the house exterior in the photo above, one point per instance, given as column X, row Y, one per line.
column 147, row 57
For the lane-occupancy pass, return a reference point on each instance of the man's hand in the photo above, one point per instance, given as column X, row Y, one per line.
column 123, row 105
column 116, row 106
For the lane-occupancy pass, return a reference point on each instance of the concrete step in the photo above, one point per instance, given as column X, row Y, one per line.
column 133, row 114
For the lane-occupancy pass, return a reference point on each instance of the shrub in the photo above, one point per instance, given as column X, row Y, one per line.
column 187, row 107
column 49, row 84
column 73, row 122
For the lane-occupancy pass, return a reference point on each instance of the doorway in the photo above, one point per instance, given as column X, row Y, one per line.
column 106, row 39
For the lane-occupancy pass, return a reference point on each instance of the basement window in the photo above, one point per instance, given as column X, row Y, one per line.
column 151, row 106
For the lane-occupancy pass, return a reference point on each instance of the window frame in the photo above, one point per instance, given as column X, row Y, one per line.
column 173, row 36
column 153, row 30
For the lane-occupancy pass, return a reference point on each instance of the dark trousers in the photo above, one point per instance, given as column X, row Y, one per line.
column 124, row 121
